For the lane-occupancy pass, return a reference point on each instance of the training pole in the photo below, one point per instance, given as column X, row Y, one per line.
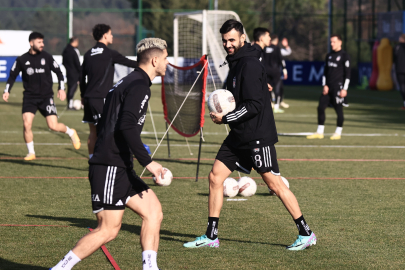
column 199, row 154
column 168, row 142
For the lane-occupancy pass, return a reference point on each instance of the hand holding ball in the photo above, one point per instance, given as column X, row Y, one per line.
column 166, row 180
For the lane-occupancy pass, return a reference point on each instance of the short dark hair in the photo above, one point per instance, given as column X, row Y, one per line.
column 72, row 39
column 274, row 36
column 339, row 37
column 99, row 30
column 231, row 24
column 35, row 35
column 258, row 32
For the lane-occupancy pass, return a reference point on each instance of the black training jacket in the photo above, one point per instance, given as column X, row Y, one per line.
column 36, row 74
column 71, row 62
column 98, row 66
column 273, row 61
column 119, row 131
column 399, row 58
column 336, row 73
column 252, row 122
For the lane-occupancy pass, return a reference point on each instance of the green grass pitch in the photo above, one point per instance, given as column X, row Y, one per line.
column 351, row 193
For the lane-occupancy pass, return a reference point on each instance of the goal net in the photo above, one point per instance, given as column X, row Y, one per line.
column 197, row 33
column 176, row 85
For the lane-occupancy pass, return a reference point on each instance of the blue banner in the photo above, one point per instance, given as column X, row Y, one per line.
column 304, row 73
column 6, row 63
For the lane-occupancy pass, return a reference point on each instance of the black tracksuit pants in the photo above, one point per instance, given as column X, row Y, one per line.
column 331, row 98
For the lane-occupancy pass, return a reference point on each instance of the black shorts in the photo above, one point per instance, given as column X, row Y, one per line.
column 262, row 159
column 93, row 108
column 46, row 106
column 112, row 187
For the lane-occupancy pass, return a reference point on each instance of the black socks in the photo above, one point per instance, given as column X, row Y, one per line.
column 302, row 226
column 212, row 228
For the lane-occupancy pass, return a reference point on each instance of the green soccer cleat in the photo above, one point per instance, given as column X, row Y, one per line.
column 303, row 242
column 202, row 241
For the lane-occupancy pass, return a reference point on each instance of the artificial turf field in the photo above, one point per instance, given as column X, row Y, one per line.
column 351, row 193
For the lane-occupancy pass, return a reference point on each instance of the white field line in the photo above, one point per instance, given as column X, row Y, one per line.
column 284, row 146
column 224, row 133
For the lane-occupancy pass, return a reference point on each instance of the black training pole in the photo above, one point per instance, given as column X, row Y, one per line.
column 168, row 142
column 199, row 154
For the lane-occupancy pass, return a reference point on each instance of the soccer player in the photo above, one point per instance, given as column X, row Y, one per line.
column 250, row 144
column 335, row 81
column 36, row 66
column 262, row 39
column 98, row 67
column 71, row 62
column 285, row 51
column 273, row 61
column 114, row 183
column 399, row 61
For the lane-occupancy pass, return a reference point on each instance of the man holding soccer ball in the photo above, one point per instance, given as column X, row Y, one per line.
column 250, row 144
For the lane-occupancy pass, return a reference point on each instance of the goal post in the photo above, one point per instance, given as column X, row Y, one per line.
column 197, row 33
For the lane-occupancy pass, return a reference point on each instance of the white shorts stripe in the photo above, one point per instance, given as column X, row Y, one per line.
column 112, row 185
column 268, row 147
column 264, row 157
column 106, row 185
column 109, row 185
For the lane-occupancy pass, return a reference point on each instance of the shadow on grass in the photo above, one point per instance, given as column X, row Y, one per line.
column 86, row 223
column 9, row 265
column 164, row 234
column 36, row 163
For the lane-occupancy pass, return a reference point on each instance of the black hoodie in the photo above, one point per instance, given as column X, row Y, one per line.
column 252, row 122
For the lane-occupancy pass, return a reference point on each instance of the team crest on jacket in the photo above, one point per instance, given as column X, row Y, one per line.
column 256, row 150
column 338, row 58
column 234, row 82
column 51, row 101
column 43, row 61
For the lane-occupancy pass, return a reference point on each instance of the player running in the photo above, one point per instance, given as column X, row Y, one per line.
column 250, row 144
column 114, row 183
column 98, row 67
column 273, row 62
column 71, row 62
column 335, row 81
column 36, row 66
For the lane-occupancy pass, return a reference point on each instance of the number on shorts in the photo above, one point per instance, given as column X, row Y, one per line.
column 258, row 161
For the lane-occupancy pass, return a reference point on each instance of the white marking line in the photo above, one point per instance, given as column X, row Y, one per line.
column 224, row 134
column 218, row 145
column 236, row 200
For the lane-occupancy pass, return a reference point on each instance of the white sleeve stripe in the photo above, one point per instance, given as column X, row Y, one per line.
column 323, row 80
column 236, row 114
column 229, row 120
column 62, row 85
column 7, row 88
column 346, row 86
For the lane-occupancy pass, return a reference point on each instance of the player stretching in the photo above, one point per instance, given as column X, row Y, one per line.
column 36, row 66
column 335, row 81
column 114, row 183
column 98, row 66
column 250, row 144
column 273, row 61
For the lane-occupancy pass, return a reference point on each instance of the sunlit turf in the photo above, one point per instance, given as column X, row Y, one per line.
column 357, row 216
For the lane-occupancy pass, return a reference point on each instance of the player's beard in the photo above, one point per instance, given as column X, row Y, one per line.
column 235, row 49
column 37, row 49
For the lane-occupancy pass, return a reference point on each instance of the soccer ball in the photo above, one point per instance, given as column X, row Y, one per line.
column 166, row 180
column 285, row 182
column 221, row 101
column 247, row 186
column 77, row 104
column 231, row 187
